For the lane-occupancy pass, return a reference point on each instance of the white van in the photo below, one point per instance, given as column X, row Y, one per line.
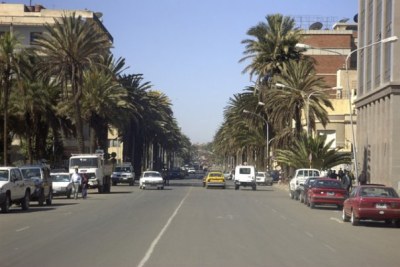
column 245, row 175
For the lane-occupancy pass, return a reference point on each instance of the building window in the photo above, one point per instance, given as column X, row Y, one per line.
column 388, row 46
column 34, row 36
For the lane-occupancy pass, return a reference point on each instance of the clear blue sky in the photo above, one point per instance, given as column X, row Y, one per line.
column 189, row 49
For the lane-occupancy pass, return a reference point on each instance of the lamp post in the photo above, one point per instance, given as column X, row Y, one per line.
column 382, row 41
column 267, row 125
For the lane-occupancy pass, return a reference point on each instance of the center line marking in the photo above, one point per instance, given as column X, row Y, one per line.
column 22, row 229
column 157, row 239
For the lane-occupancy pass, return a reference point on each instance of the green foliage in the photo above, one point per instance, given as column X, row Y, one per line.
column 315, row 148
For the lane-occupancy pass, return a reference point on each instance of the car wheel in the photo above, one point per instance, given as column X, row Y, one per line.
column 388, row 221
column 397, row 223
column 291, row 194
column 340, row 207
column 312, row 205
column 49, row 200
column 5, row 206
column 254, row 187
column 69, row 192
column 345, row 218
column 25, row 201
column 301, row 198
column 236, row 187
column 354, row 221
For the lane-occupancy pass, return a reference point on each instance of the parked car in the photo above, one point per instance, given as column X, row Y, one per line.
column 123, row 174
column 264, row 178
column 62, row 184
column 298, row 179
column 326, row 191
column 40, row 175
column 151, row 179
column 372, row 202
column 303, row 189
column 214, row 179
column 14, row 189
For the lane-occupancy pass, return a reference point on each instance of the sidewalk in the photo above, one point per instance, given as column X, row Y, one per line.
column 282, row 186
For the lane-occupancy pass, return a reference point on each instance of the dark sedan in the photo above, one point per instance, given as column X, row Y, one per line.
column 372, row 202
column 326, row 191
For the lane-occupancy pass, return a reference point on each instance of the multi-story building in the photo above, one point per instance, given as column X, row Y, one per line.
column 378, row 99
column 330, row 48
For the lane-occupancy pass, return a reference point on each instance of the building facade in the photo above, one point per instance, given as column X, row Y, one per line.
column 378, row 99
column 330, row 48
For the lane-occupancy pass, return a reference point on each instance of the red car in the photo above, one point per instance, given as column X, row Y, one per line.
column 372, row 202
column 326, row 191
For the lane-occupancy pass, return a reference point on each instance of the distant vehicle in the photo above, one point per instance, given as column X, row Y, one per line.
column 151, row 179
column 214, row 179
column 62, row 184
column 326, row 191
column 123, row 174
column 264, row 178
column 40, row 175
column 191, row 171
column 372, row 202
column 175, row 173
column 245, row 175
column 14, row 189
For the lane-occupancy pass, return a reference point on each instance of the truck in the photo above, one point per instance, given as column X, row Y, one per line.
column 298, row 180
column 97, row 169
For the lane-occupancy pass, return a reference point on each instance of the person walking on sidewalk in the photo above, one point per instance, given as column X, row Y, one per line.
column 76, row 182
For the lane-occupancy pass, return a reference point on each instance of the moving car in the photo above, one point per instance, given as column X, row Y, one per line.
column 214, row 179
column 326, row 191
column 62, row 184
column 245, row 175
column 123, row 174
column 264, row 178
column 151, row 179
column 372, row 202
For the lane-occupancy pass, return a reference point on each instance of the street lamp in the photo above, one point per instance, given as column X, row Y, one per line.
column 386, row 40
column 267, row 125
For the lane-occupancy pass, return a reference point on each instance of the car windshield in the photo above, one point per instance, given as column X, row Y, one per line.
column 30, row 173
column 84, row 162
column 260, row 174
column 152, row 174
column 214, row 175
column 378, row 192
column 60, row 177
column 122, row 169
column 3, row 175
column 327, row 184
column 244, row 170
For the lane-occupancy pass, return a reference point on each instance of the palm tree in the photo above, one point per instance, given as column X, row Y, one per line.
column 272, row 43
column 288, row 104
column 67, row 49
column 11, row 56
column 312, row 152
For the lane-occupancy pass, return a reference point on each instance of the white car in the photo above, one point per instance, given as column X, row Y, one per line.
column 263, row 178
column 62, row 184
column 151, row 179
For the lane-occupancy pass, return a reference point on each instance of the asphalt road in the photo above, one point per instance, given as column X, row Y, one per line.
column 188, row 225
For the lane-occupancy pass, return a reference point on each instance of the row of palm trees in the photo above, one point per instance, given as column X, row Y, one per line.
column 69, row 79
column 273, row 60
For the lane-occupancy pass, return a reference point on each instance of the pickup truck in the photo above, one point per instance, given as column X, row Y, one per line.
column 298, row 180
column 14, row 189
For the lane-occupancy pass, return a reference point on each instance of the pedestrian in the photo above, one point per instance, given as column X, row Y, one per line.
column 346, row 181
column 85, row 185
column 340, row 174
column 362, row 178
column 76, row 182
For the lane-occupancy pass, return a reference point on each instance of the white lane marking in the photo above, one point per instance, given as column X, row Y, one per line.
column 330, row 248
column 22, row 229
column 336, row 220
column 309, row 234
column 157, row 239
column 283, row 217
column 273, row 210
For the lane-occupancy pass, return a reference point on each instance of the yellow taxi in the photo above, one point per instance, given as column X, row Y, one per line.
column 214, row 179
